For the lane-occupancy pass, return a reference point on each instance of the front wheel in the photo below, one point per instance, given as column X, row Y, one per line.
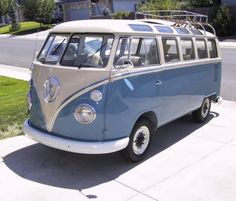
column 201, row 114
column 139, row 141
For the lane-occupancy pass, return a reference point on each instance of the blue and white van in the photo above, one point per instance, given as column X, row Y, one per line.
column 101, row 86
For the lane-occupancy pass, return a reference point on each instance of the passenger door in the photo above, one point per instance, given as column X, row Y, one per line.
column 136, row 90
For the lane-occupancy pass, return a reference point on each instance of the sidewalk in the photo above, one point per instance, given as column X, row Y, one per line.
column 228, row 44
column 15, row 72
column 40, row 36
column 186, row 162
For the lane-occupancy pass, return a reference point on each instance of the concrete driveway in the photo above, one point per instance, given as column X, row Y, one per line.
column 187, row 162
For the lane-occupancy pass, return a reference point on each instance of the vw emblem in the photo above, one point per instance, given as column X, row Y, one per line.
column 51, row 89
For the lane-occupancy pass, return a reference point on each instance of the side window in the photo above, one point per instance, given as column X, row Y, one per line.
column 170, row 48
column 187, row 48
column 123, row 48
column 143, row 52
column 108, row 47
column 212, row 48
column 148, row 51
column 201, row 48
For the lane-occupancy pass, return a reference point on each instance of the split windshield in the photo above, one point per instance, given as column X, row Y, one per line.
column 53, row 49
column 90, row 50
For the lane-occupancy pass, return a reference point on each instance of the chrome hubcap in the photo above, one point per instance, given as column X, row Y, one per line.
column 205, row 107
column 141, row 140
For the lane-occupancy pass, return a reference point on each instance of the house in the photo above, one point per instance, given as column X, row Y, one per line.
column 228, row 2
column 84, row 9
column 130, row 5
column 19, row 14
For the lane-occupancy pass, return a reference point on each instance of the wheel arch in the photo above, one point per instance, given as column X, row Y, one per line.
column 151, row 116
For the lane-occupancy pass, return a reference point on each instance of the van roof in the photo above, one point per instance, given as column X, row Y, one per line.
column 126, row 27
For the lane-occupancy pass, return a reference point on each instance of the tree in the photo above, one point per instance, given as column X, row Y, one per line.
column 200, row 3
column 223, row 21
column 30, row 9
column 4, row 6
column 203, row 3
column 45, row 11
column 40, row 10
column 12, row 14
column 158, row 5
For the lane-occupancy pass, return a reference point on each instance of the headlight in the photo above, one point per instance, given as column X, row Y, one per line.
column 96, row 95
column 85, row 114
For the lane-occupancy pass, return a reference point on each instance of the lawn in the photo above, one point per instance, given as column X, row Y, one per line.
column 25, row 28
column 13, row 106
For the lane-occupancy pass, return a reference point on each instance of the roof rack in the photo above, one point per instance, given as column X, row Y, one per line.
column 181, row 18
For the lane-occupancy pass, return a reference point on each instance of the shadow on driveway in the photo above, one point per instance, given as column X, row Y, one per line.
column 57, row 168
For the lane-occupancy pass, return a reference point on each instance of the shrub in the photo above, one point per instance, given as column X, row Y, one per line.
column 121, row 15
column 223, row 21
column 106, row 12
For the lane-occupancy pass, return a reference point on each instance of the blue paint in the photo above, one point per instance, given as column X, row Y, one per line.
column 37, row 117
column 66, row 125
column 129, row 84
column 124, row 100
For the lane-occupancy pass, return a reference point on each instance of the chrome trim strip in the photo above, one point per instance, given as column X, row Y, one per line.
column 73, row 145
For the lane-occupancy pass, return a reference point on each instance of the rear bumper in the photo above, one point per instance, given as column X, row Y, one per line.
column 73, row 145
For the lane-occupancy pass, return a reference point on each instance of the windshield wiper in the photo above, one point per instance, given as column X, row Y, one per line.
column 42, row 60
column 89, row 58
column 54, row 51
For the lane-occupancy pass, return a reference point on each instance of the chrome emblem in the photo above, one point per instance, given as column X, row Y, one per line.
column 51, row 89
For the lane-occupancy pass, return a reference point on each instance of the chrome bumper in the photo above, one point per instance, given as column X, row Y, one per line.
column 73, row 145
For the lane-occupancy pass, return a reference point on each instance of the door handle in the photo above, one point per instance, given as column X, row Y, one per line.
column 158, row 83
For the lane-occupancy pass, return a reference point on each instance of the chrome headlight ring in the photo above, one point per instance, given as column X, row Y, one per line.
column 85, row 114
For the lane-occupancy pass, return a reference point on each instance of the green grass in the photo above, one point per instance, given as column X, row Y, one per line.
column 13, row 106
column 25, row 28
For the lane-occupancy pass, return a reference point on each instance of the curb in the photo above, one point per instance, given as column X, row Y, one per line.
column 228, row 44
column 38, row 35
column 15, row 72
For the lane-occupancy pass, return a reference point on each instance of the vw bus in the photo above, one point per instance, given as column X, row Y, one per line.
column 101, row 86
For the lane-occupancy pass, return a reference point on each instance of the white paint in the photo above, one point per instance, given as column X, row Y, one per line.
column 73, row 145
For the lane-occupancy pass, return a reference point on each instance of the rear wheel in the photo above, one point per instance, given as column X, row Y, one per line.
column 139, row 141
column 201, row 114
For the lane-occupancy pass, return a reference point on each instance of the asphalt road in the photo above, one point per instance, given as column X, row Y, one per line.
column 228, row 84
column 20, row 52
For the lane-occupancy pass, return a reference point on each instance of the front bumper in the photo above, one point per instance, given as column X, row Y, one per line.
column 74, row 145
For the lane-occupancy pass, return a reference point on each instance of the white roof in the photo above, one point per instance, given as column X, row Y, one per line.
column 111, row 26
column 158, row 21
column 97, row 26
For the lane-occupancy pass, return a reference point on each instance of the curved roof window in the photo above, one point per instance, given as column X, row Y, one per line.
column 196, row 32
column 163, row 29
column 140, row 27
column 182, row 30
